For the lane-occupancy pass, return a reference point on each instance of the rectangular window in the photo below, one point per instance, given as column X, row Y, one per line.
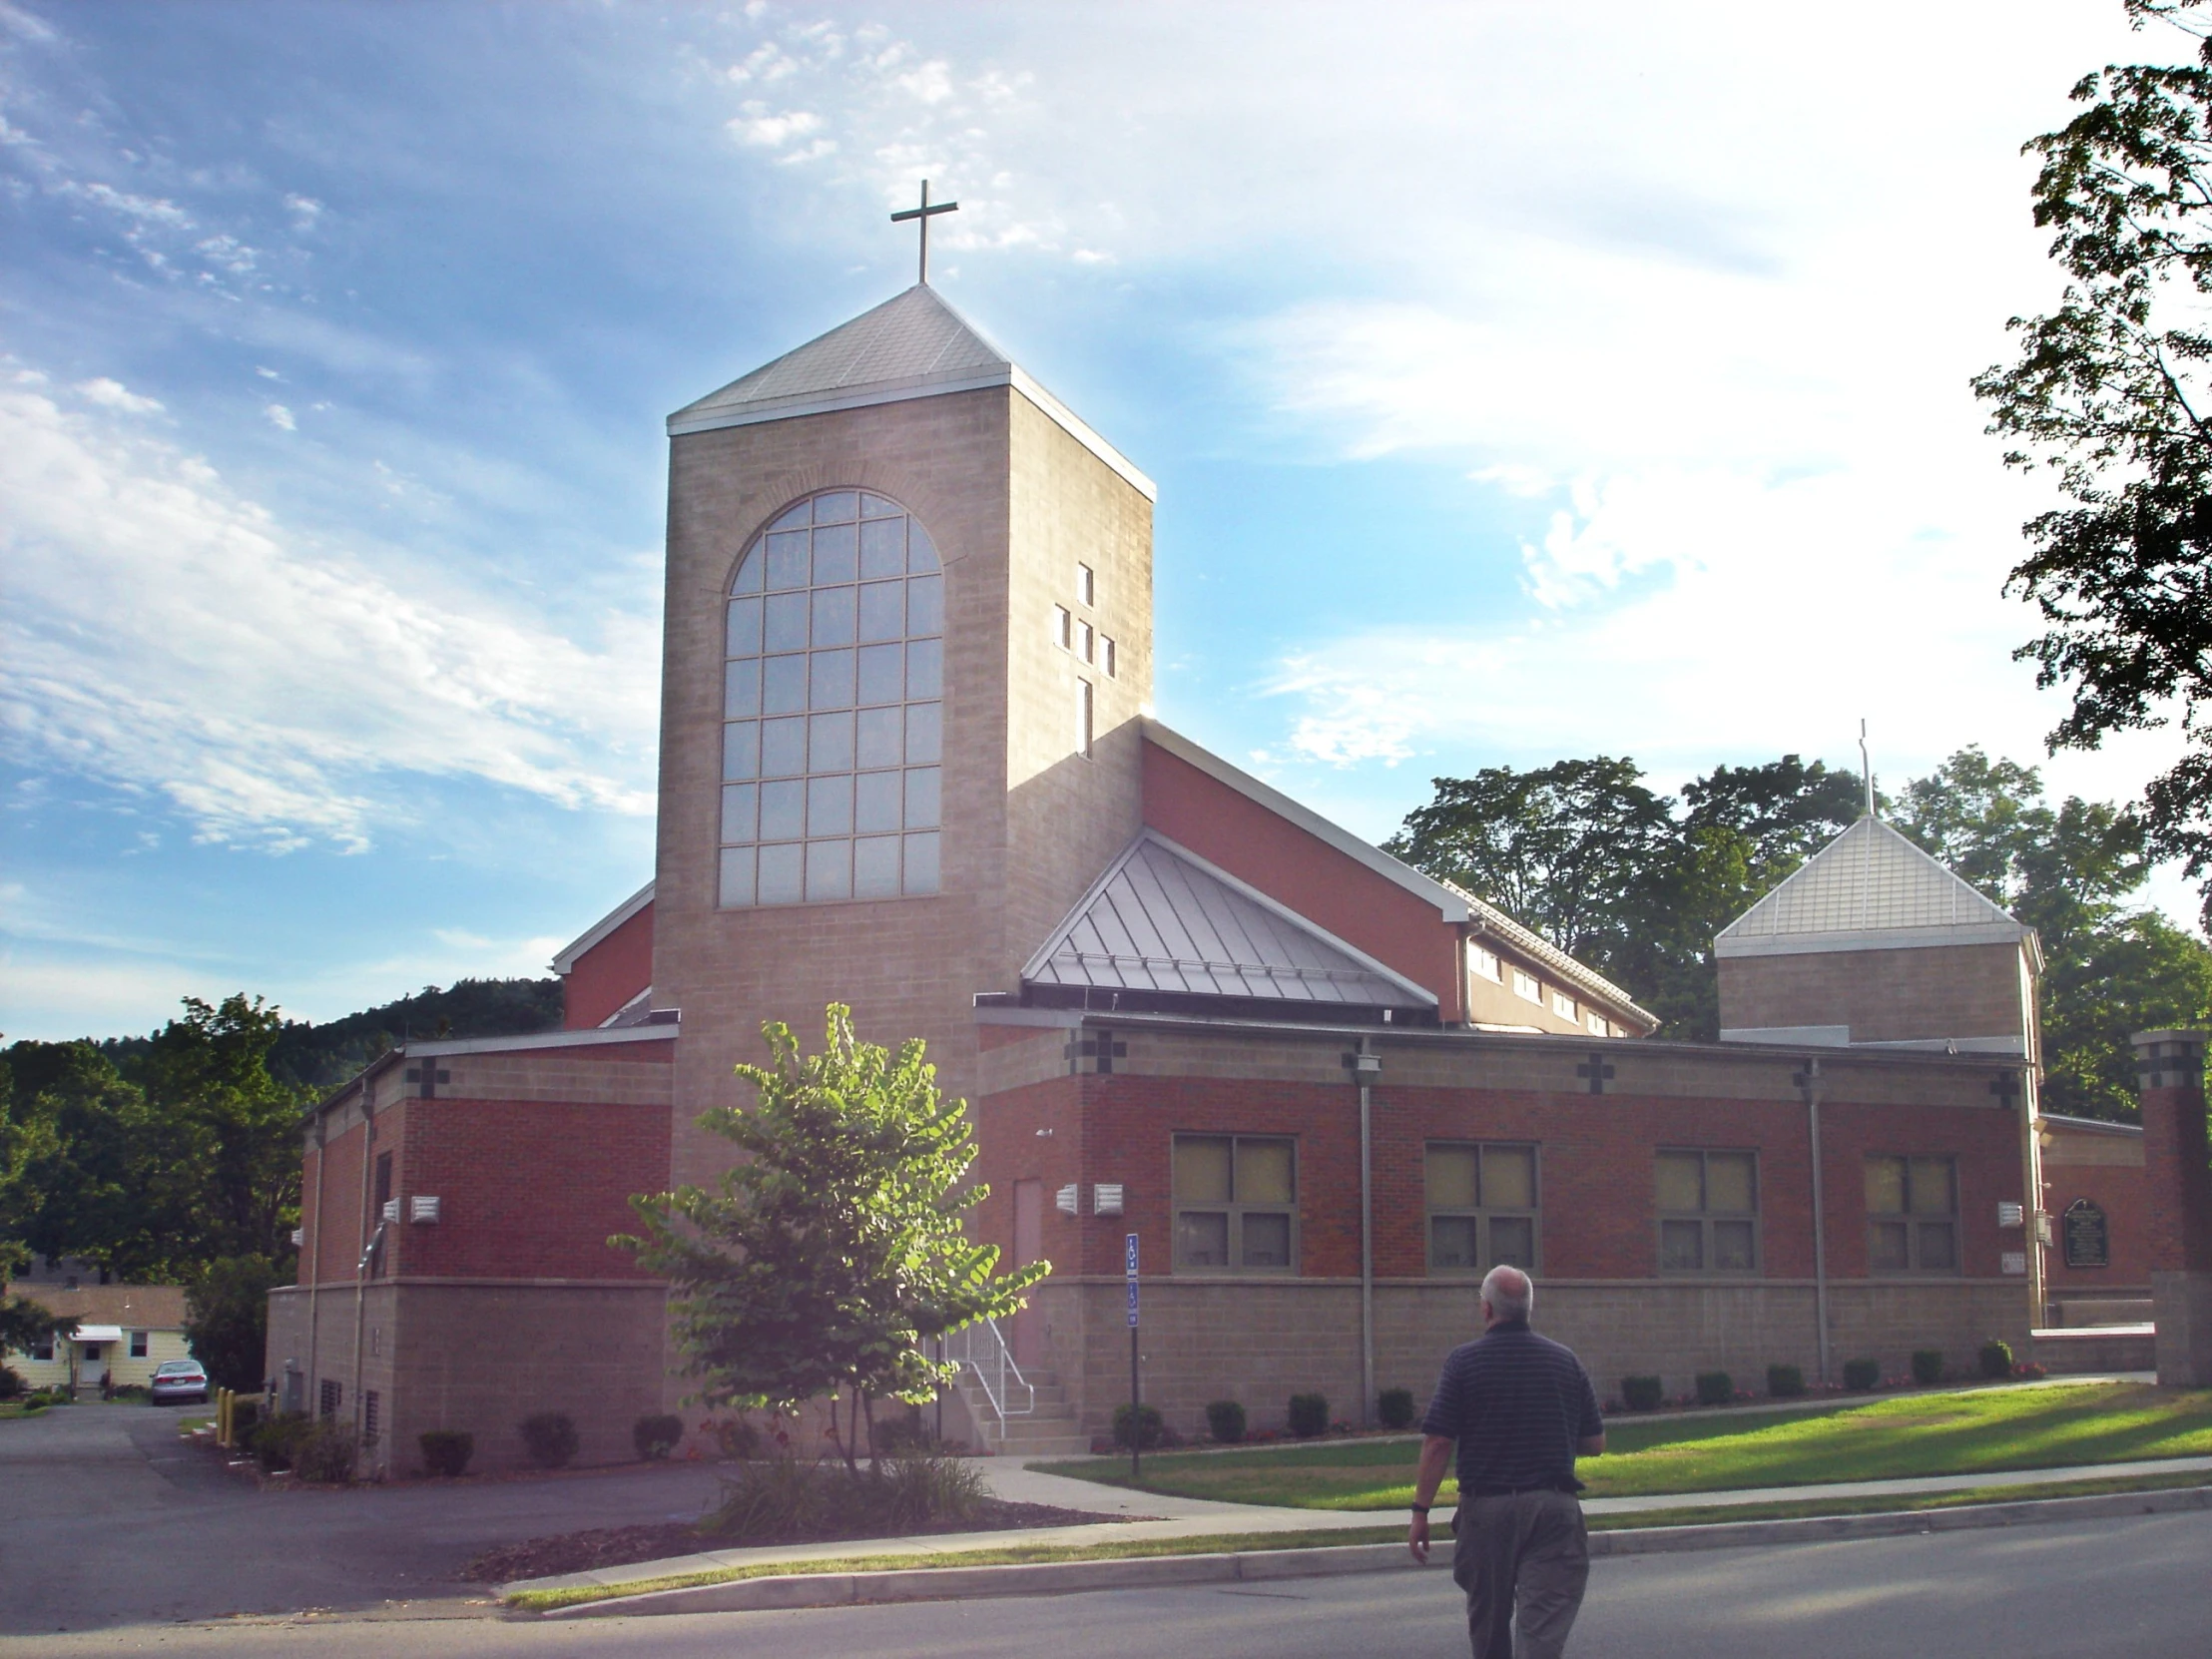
column 1526, row 988
column 138, row 1345
column 1236, row 1203
column 1708, row 1212
column 327, row 1403
column 1913, row 1215
column 1082, row 717
column 1596, row 1023
column 43, row 1349
column 1086, row 642
column 1106, row 656
column 1086, row 585
column 1063, row 627
column 1483, row 964
column 1562, row 1005
column 1481, row 1206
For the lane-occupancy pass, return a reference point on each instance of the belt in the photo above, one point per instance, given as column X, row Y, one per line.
column 1515, row 1492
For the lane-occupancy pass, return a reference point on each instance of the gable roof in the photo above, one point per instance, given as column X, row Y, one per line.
column 915, row 344
column 564, row 962
column 1161, row 919
column 1868, row 889
column 1486, row 921
column 143, row 1306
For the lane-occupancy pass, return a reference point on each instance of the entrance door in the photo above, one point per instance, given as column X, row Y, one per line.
column 1027, row 1336
column 92, row 1360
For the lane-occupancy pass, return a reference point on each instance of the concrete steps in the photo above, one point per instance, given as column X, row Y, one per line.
column 1051, row 1431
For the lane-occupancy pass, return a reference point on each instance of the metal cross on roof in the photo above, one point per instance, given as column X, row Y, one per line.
column 926, row 212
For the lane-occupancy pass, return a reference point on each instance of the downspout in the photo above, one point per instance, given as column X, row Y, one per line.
column 314, row 1263
column 1367, row 1065
column 360, row 1267
column 1811, row 1084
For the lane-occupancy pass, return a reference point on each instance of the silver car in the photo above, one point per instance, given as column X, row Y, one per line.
column 178, row 1380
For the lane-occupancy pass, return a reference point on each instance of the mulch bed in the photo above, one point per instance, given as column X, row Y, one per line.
column 619, row 1547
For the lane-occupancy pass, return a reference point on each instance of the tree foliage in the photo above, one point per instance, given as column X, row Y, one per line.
column 833, row 1248
column 1529, row 842
column 226, row 1318
column 2110, row 393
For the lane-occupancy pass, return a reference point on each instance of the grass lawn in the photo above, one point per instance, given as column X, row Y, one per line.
column 1903, row 1436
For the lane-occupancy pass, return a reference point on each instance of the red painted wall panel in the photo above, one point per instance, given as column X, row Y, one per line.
column 610, row 973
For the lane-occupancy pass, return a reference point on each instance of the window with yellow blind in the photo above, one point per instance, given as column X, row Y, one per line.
column 1236, row 1203
column 1481, row 1206
column 1912, row 1215
column 1708, row 1206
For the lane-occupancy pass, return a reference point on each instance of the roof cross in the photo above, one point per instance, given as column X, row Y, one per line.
column 926, row 212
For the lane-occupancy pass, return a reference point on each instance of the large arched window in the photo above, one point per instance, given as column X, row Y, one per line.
column 833, row 708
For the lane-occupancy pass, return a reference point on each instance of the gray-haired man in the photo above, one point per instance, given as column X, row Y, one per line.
column 1520, row 1409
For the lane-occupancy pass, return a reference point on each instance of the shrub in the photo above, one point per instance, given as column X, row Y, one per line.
column 1996, row 1359
column 446, row 1452
column 655, row 1435
column 550, row 1439
column 130, row 1390
column 739, row 1437
column 1928, row 1367
column 2027, row 1371
column 1394, row 1408
column 1715, row 1387
column 1785, row 1382
column 273, row 1442
column 905, row 1434
column 781, row 1499
column 1641, row 1393
column 1307, row 1416
column 1860, row 1376
column 245, row 1413
column 326, row 1453
column 11, row 1386
column 1150, row 1430
column 1225, row 1420
column 34, row 1406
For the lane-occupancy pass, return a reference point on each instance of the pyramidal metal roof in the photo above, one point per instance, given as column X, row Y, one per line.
column 1868, row 889
column 1164, row 919
column 915, row 344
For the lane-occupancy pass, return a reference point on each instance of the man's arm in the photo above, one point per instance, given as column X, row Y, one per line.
column 1435, row 1458
column 1590, row 1446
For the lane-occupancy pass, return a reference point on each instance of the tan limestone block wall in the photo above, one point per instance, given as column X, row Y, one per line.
column 1970, row 990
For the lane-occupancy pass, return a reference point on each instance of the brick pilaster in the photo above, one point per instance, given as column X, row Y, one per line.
column 2170, row 1074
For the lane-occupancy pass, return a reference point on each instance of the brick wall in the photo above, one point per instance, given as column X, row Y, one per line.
column 609, row 974
column 1957, row 990
column 2107, row 1170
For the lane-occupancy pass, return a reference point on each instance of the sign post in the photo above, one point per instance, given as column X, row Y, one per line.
column 1136, row 1399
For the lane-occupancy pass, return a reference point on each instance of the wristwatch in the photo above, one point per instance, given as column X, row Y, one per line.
column 1421, row 1508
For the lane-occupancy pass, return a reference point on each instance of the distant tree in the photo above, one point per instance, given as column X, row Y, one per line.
column 209, row 1074
column 2113, row 391
column 2111, row 968
column 1565, row 848
column 834, row 1247
column 322, row 1056
column 226, row 1319
column 24, row 1321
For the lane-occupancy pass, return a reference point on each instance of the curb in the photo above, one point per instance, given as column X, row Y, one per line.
column 848, row 1589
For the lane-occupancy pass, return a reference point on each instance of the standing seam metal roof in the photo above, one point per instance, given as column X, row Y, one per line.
column 1164, row 919
column 1869, row 880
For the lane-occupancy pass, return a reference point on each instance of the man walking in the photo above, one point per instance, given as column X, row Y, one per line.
column 1521, row 1409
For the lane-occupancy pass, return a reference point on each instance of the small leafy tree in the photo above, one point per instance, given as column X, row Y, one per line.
column 834, row 1248
column 226, row 1319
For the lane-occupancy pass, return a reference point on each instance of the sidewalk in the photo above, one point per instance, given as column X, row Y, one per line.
column 1155, row 1515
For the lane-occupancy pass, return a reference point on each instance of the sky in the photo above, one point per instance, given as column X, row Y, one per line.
column 1519, row 382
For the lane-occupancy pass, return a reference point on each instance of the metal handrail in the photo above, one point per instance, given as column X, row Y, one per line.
column 981, row 1348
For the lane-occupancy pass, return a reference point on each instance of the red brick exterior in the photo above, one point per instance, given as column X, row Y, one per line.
column 605, row 977
column 527, row 1190
column 1595, row 1162
column 2178, row 1214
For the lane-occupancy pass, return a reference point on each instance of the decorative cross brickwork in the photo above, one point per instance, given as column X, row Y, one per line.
column 2006, row 1088
column 1596, row 1069
column 1094, row 1054
column 428, row 1077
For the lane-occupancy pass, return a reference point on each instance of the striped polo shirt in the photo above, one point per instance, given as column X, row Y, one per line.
column 1516, row 1402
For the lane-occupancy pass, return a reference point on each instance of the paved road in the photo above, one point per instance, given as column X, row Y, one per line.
column 2109, row 1590
column 107, row 1519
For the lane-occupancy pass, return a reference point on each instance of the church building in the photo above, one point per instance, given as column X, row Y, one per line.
column 908, row 762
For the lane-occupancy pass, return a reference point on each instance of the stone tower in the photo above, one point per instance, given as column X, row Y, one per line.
column 909, row 635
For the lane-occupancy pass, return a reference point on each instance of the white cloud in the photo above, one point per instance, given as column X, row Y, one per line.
column 755, row 125
column 280, row 418
column 114, row 394
column 169, row 635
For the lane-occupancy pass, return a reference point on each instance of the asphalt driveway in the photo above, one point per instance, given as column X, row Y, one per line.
column 108, row 1519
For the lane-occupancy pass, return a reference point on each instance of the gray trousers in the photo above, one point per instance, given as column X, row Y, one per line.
column 1527, row 1554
